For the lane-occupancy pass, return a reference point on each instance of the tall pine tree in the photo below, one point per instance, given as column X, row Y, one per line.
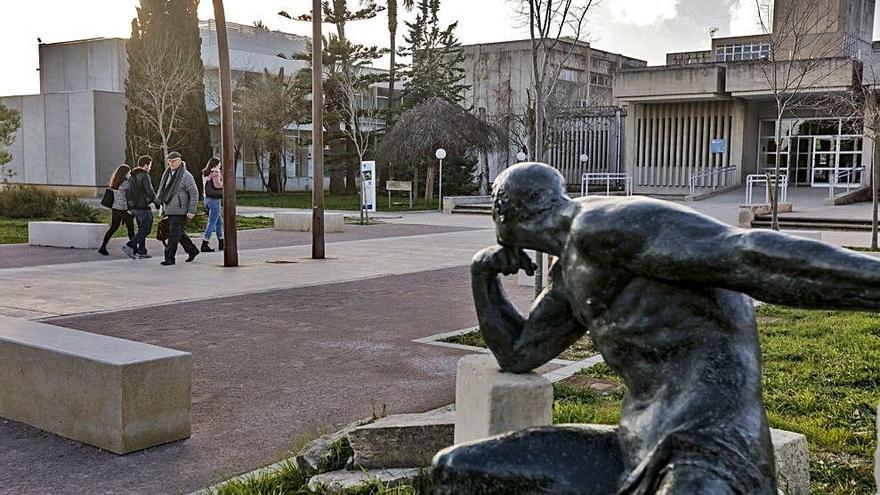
column 165, row 87
column 437, row 60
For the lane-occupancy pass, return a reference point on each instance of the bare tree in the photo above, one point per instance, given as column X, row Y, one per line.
column 160, row 94
column 556, row 28
column 862, row 103
column 796, row 63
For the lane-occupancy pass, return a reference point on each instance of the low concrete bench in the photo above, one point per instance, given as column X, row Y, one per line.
column 66, row 234
column 112, row 393
column 302, row 222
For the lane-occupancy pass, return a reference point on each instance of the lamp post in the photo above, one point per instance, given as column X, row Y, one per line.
column 441, row 154
column 227, row 139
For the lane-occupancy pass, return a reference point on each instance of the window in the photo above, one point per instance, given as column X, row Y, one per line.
column 570, row 75
column 751, row 51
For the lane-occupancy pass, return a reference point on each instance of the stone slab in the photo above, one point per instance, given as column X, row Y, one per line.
column 489, row 402
column 111, row 393
column 315, row 456
column 402, row 440
column 588, row 460
column 344, row 481
column 302, row 221
column 66, row 234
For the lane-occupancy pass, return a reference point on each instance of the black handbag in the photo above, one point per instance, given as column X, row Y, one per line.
column 107, row 200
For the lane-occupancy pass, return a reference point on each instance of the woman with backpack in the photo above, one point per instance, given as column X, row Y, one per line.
column 118, row 185
column 212, row 179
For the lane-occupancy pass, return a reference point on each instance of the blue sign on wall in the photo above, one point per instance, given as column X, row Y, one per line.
column 718, row 146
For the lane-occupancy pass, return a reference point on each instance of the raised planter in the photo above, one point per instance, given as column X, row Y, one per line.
column 66, row 234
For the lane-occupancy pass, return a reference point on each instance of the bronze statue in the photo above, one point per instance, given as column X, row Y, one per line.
column 664, row 293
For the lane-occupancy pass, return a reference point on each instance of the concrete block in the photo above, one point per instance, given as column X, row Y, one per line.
column 489, row 402
column 348, row 481
column 877, row 455
column 402, row 440
column 745, row 217
column 792, row 462
column 66, row 234
column 302, row 221
column 115, row 394
column 319, row 453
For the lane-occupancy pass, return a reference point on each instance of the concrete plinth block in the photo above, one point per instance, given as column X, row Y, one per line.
column 402, row 440
column 302, row 222
column 877, row 458
column 115, row 394
column 792, row 462
column 745, row 217
column 66, row 234
column 489, row 402
column 347, row 481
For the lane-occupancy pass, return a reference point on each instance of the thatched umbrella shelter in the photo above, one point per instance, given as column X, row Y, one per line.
column 436, row 123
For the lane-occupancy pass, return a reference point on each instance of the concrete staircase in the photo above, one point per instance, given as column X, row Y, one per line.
column 787, row 222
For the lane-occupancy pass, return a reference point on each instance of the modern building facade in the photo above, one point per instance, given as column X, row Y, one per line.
column 710, row 117
column 72, row 133
column 582, row 121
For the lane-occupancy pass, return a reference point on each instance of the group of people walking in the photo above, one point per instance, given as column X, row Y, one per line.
column 133, row 198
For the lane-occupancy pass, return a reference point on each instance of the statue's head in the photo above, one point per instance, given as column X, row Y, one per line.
column 529, row 199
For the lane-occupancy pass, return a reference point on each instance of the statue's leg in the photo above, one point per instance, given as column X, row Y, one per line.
column 689, row 480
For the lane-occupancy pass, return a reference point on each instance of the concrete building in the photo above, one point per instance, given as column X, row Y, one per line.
column 583, row 119
column 72, row 133
column 710, row 116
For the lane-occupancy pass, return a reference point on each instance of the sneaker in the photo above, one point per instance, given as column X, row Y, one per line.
column 144, row 256
column 192, row 256
column 167, row 263
column 103, row 251
column 128, row 251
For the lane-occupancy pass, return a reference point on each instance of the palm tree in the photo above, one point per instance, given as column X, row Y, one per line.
column 392, row 31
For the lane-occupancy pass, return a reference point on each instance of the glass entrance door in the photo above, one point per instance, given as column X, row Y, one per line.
column 802, row 161
column 824, row 160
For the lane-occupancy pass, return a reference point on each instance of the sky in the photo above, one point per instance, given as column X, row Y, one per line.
column 645, row 29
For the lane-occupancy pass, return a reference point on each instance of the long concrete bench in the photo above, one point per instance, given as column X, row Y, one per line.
column 66, row 234
column 111, row 393
column 302, row 221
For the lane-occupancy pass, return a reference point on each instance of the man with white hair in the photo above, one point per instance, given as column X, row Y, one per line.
column 179, row 197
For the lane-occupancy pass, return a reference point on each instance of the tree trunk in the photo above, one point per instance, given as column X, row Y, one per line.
column 875, row 192
column 275, row 185
column 484, row 173
column 774, row 187
column 416, row 181
column 429, row 184
column 392, row 73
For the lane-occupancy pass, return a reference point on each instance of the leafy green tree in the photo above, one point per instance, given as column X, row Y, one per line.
column 165, row 90
column 437, row 67
column 9, row 123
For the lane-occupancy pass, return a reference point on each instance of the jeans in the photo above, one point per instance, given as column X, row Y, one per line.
column 215, row 217
column 176, row 235
column 144, row 220
column 119, row 217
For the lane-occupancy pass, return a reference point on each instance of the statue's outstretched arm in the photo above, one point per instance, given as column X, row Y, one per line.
column 687, row 247
column 520, row 344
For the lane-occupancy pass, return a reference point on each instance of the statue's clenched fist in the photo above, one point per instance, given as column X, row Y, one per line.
column 503, row 260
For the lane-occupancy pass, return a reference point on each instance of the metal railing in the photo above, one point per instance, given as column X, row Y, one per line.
column 713, row 178
column 849, row 174
column 767, row 180
column 608, row 179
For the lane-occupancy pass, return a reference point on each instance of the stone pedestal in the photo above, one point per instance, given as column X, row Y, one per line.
column 66, row 234
column 302, row 221
column 489, row 402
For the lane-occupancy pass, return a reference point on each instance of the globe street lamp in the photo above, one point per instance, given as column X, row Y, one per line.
column 441, row 154
column 521, row 157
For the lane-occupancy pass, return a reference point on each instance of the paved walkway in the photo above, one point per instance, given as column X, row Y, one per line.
column 268, row 369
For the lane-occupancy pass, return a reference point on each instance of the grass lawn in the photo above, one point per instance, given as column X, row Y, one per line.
column 821, row 378
column 582, row 349
column 350, row 202
column 14, row 230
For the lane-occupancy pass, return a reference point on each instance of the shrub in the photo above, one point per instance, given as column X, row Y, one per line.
column 70, row 209
column 27, row 202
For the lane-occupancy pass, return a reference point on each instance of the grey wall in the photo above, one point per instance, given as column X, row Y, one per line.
column 56, row 142
column 109, row 134
column 97, row 65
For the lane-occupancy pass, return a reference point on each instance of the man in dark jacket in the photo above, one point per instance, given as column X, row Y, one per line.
column 179, row 197
column 140, row 197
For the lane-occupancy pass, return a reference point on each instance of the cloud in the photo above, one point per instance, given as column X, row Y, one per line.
column 744, row 18
column 644, row 12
